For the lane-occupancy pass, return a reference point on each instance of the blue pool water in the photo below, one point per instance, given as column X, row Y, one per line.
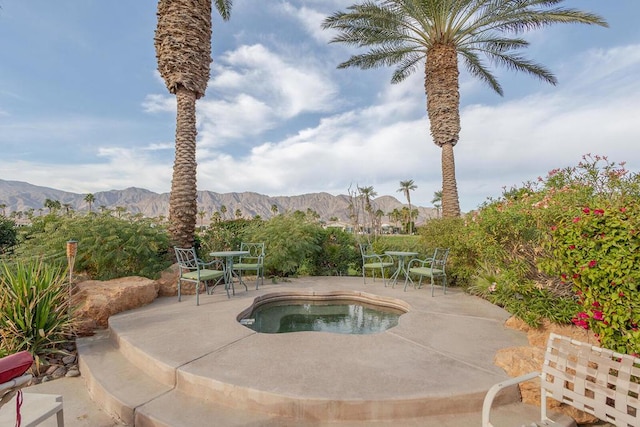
column 337, row 316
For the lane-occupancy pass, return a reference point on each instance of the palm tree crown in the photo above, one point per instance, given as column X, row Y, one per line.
column 434, row 33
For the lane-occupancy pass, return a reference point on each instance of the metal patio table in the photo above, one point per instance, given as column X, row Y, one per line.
column 402, row 268
column 230, row 274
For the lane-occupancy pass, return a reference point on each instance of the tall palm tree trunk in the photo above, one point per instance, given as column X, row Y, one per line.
column 183, row 199
column 451, row 208
column 443, row 108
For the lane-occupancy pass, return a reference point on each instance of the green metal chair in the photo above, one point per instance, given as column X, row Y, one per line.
column 252, row 262
column 373, row 261
column 433, row 267
column 192, row 269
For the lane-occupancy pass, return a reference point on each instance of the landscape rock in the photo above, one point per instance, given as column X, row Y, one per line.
column 97, row 300
column 168, row 283
column 518, row 361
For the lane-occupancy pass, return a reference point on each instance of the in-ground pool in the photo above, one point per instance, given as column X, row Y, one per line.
column 341, row 314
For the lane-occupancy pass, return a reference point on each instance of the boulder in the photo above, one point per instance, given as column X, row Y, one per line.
column 96, row 300
column 168, row 283
column 518, row 361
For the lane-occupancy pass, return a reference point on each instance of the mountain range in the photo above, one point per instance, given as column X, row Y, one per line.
column 17, row 196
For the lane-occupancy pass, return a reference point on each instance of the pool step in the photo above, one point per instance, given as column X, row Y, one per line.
column 114, row 383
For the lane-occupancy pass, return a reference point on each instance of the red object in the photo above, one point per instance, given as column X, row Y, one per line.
column 14, row 365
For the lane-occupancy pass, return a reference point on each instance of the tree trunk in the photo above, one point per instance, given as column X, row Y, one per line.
column 443, row 108
column 450, row 204
column 183, row 199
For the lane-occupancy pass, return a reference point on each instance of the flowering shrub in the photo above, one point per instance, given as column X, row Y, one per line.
column 594, row 245
column 568, row 238
column 597, row 248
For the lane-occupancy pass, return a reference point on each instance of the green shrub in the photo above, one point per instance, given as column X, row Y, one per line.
column 290, row 242
column 8, row 235
column 338, row 253
column 452, row 233
column 224, row 235
column 108, row 247
column 34, row 308
column 527, row 300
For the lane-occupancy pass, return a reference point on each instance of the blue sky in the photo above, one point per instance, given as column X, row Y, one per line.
column 83, row 109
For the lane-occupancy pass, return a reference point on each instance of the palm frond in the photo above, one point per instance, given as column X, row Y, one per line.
column 477, row 69
column 407, row 66
column 519, row 63
column 377, row 57
column 224, row 8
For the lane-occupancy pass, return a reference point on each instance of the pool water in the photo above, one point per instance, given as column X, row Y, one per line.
column 337, row 316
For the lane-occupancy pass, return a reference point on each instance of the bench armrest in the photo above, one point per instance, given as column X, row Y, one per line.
column 493, row 391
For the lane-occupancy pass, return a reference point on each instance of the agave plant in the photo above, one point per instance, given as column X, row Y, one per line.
column 34, row 308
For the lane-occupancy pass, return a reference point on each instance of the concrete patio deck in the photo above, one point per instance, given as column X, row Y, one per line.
column 178, row 364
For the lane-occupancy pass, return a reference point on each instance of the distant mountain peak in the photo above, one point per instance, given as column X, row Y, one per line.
column 22, row 196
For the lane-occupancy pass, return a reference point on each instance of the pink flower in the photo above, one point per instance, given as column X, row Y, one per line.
column 575, row 275
column 597, row 315
column 586, row 210
column 592, row 263
column 582, row 323
column 623, row 209
column 621, row 294
column 554, row 228
column 598, row 212
column 576, row 219
column 596, row 304
column 572, row 247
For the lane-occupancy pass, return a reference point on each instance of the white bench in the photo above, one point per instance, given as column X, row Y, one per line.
column 35, row 407
column 595, row 380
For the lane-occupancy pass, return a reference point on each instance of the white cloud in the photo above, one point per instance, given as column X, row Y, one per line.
column 310, row 20
column 156, row 103
column 279, row 119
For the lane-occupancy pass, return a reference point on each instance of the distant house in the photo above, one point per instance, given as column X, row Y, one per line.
column 339, row 224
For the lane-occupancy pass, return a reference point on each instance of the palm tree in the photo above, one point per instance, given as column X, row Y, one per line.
column 409, row 33
column 274, row 209
column 437, row 200
column 368, row 193
column 3, row 206
column 90, row 198
column 407, row 187
column 52, row 205
column 223, row 210
column 120, row 210
column 67, row 208
column 183, row 49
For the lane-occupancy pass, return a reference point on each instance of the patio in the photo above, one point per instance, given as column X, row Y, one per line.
column 177, row 364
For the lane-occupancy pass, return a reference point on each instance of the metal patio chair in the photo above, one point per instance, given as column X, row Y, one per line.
column 193, row 269
column 434, row 268
column 373, row 261
column 254, row 261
